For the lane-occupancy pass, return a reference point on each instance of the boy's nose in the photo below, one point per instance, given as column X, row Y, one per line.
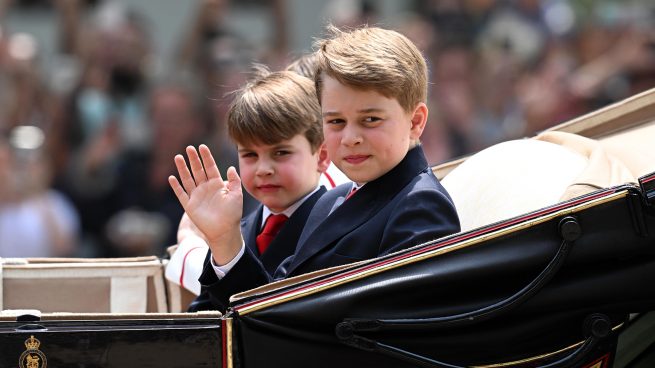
column 265, row 168
column 351, row 136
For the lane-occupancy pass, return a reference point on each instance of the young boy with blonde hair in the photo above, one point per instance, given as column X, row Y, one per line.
column 372, row 87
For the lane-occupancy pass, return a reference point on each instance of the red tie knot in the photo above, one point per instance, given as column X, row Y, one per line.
column 274, row 223
column 272, row 226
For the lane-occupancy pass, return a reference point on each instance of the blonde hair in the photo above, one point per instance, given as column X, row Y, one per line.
column 273, row 107
column 373, row 58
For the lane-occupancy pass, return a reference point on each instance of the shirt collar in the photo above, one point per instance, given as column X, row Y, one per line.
column 289, row 211
column 357, row 186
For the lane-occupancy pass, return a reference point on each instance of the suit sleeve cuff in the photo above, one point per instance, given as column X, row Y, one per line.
column 222, row 270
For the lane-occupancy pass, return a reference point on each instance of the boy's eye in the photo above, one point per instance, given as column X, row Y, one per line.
column 371, row 119
column 335, row 121
column 248, row 154
column 282, row 152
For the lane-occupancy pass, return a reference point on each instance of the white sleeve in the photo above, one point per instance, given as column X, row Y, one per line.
column 186, row 263
column 222, row 270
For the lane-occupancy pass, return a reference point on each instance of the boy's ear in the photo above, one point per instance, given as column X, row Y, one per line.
column 323, row 159
column 419, row 119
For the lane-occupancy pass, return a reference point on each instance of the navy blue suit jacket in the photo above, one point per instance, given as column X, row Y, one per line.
column 405, row 207
column 282, row 246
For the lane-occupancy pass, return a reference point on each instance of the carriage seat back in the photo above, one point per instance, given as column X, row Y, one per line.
column 515, row 177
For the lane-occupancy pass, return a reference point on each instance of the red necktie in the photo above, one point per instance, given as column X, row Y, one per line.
column 272, row 226
column 352, row 191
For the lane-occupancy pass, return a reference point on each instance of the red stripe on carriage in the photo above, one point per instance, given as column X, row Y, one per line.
column 224, row 342
column 601, row 362
column 648, row 179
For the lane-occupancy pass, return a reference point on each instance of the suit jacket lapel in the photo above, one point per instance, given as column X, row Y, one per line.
column 250, row 228
column 322, row 210
column 284, row 243
column 341, row 221
column 323, row 227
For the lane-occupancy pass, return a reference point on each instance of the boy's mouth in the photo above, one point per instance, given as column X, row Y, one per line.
column 268, row 187
column 355, row 159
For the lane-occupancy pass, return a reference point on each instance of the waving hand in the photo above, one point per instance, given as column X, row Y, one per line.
column 215, row 206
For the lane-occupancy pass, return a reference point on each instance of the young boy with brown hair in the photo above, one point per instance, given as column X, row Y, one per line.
column 372, row 87
column 275, row 122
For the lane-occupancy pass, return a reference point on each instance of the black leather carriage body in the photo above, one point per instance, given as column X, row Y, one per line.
column 94, row 341
column 551, row 288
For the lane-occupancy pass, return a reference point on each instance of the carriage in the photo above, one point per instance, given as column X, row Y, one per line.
column 554, row 267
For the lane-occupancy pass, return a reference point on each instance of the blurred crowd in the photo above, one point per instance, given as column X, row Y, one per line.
column 86, row 148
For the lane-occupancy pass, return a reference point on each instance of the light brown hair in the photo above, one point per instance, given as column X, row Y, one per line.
column 304, row 65
column 273, row 107
column 372, row 58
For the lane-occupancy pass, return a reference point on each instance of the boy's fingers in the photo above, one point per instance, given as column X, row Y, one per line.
column 196, row 165
column 233, row 179
column 210, row 165
column 182, row 196
column 185, row 176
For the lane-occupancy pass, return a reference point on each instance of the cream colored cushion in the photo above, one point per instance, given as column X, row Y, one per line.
column 520, row 176
column 509, row 179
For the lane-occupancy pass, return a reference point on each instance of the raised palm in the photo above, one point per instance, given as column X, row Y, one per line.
column 214, row 206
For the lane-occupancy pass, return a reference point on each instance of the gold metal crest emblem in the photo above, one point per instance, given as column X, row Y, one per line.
column 32, row 357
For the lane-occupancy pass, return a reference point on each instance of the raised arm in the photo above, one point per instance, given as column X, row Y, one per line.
column 214, row 205
column 187, row 229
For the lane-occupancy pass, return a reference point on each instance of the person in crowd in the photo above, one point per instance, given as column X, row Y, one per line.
column 35, row 220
